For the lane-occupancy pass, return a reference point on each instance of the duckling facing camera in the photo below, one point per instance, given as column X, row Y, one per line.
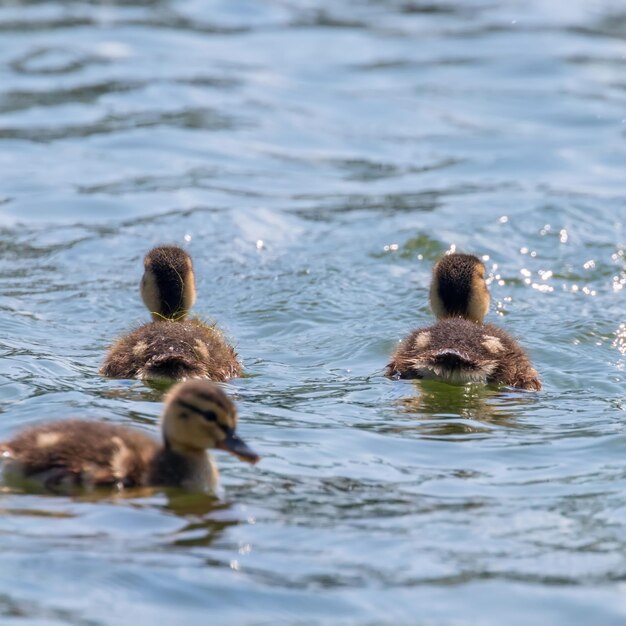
column 171, row 347
column 74, row 454
column 459, row 348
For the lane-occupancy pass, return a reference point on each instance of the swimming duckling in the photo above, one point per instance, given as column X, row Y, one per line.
column 459, row 348
column 171, row 347
column 68, row 454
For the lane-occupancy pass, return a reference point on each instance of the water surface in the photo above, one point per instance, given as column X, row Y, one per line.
column 315, row 158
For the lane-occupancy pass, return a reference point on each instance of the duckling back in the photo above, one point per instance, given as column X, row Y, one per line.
column 173, row 351
column 461, row 351
column 78, row 453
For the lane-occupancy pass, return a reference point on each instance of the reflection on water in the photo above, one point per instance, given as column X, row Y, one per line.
column 315, row 158
column 448, row 410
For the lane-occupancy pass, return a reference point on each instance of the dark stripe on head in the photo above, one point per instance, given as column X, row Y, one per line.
column 454, row 278
column 169, row 265
column 220, row 400
column 209, row 416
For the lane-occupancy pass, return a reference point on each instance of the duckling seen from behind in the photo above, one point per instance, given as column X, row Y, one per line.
column 71, row 454
column 459, row 348
column 172, row 346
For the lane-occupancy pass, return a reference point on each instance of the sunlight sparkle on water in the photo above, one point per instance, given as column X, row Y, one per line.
column 542, row 288
column 619, row 282
column 620, row 339
column 113, row 50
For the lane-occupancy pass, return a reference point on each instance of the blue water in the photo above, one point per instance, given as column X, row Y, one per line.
column 315, row 158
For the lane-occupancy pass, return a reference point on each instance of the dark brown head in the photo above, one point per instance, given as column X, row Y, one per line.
column 168, row 286
column 198, row 415
column 458, row 288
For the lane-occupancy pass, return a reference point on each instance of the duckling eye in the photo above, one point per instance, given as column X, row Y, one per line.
column 209, row 416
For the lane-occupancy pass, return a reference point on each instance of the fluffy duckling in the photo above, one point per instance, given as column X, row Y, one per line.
column 72, row 454
column 171, row 347
column 459, row 348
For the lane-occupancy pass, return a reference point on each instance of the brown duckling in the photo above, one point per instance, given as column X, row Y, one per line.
column 72, row 454
column 459, row 348
column 171, row 347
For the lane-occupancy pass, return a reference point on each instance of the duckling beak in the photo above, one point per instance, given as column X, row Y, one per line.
column 239, row 448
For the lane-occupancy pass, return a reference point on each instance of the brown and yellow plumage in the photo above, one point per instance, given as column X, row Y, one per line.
column 79, row 453
column 459, row 348
column 172, row 350
column 72, row 454
column 459, row 351
column 171, row 347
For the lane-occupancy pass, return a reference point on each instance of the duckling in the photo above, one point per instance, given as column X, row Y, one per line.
column 72, row 454
column 459, row 348
column 171, row 347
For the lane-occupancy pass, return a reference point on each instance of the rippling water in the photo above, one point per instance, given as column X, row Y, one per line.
column 315, row 158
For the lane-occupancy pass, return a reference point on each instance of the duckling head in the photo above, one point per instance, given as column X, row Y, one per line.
column 168, row 286
column 458, row 288
column 198, row 415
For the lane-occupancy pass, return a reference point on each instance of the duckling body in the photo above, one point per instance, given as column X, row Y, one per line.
column 172, row 346
column 172, row 350
column 460, row 351
column 459, row 348
column 73, row 454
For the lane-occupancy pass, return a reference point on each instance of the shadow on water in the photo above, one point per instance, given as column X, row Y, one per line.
column 443, row 410
column 135, row 390
column 205, row 517
column 185, row 504
column 201, row 510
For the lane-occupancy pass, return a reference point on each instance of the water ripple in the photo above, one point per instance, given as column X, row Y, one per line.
column 315, row 159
